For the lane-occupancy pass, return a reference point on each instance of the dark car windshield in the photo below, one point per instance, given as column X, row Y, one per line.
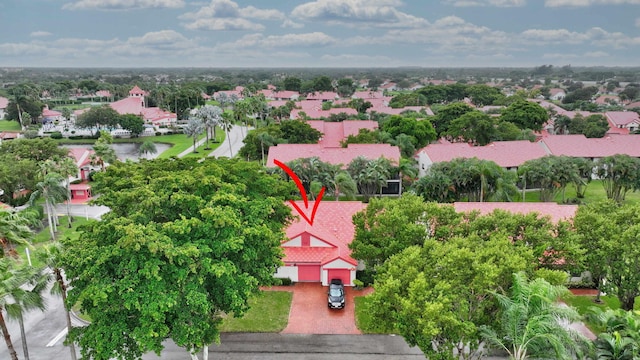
column 335, row 292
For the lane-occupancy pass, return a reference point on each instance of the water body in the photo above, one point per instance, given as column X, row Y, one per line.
column 126, row 151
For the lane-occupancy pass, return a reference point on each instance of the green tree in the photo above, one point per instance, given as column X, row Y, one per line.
column 38, row 150
column 14, row 231
column 299, row 132
column 103, row 152
column 146, row 148
column 292, row 83
column 15, row 300
column 99, row 117
column 481, row 94
column 210, row 115
column 52, row 192
column 405, row 143
column 526, row 115
column 532, row 322
column 193, row 129
column 421, row 131
column 133, row 123
column 346, row 87
column 474, row 127
column 619, row 174
column 447, row 114
column 370, row 175
column 551, row 174
column 226, row 123
column 365, row 136
column 345, row 185
column 194, row 239
column 322, row 83
column 620, row 340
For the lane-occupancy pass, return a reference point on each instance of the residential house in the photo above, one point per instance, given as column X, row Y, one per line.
column 81, row 192
column 333, row 155
column 235, row 93
column 508, row 154
column 272, row 94
column 320, row 252
column 623, row 119
column 323, row 96
column 591, row 148
column 4, row 103
column 557, row 94
column 135, row 104
column 555, row 211
column 333, row 133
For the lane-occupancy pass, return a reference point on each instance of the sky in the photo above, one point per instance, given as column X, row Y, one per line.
column 320, row 33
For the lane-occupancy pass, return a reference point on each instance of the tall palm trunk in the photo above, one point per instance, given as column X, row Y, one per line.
column 194, row 144
column 230, row 149
column 7, row 337
column 262, row 148
column 50, row 220
column 63, row 293
column 205, row 353
column 25, row 348
column 68, row 201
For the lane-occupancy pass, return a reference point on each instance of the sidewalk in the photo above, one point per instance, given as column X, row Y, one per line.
column 236, row 135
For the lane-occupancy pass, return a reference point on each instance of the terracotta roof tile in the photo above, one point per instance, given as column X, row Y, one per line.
column 555, row 211
column 288, row 152
column 580, row 146
column 504, row 153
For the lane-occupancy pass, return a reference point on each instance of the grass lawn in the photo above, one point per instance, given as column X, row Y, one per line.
column 595, row 192
column 180, row 143
column 9, row 125
column 201, row 152
column 43, row 237
column 364, row 320
column 269, row 313
column 583, row 303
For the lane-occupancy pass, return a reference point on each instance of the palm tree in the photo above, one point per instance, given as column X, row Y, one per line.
column 23, row 300
column 265, row 139
column 147, row 147
column 194, row 128
column 227, row 124
column 14, row 299
column 533, row 323
column 210, row 116
column 344, row 184
column 67, row 168
column 405, row 143
column 14, row 230
column 50, row 255
column 103, row 153
column 52, row 192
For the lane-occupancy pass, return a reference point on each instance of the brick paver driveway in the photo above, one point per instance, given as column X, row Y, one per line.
column 310, row 314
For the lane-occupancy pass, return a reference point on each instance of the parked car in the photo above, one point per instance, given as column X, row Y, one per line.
column 336, row 294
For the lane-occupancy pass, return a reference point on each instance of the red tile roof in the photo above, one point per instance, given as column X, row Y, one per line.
column 82, row 156
column 129, row 105
column 622, row 118
column 137, row 91
column 335, row 132
column 9, row 135
column 46, row 113
column 319, row 113
column 580, row 146
column 555, row 211
column 326, row 95
column 504, row 153
column 289, row 152
column 333, row 224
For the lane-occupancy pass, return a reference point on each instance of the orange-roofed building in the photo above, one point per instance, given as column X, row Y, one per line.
column 320, row 252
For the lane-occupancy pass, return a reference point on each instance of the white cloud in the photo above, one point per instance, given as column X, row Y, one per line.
column 122, row 4
column 547, row 36
column 578, row 3
column 228, row 15
column 594, row 36
column 314, row 39
column 40, row 34
column 374, row 13
column 498, row 3
column 288, row 23
column 596, row 54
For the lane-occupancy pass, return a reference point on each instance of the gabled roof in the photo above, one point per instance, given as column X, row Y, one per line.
column 335, row 132
column 555, row 211
column 324, row 95
column 622, row 118
column 130, row 105
column 46, row 113
column 504, row 153
column 81, row 156
column 289, row 152
column 581, row 146
column 333, row 224
column 137, row 91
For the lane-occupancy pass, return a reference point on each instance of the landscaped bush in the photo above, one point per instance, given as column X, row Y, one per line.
column 584, row 284
column 56, row 135
column 158, row 133
column 75, row 137
column 76, row 181
column 286, row 281
column 358, row 284
column 366, row 276
column 73, row 131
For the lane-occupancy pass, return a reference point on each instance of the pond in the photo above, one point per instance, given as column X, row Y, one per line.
column 126, row 151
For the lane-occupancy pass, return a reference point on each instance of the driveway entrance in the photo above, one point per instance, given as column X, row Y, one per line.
column 310, row 314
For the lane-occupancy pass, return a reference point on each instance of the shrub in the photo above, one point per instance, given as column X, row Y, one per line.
column 286, row 281
column 76, row 181
column 158, row 133
column 358, row 284
column 366, row 276
column 73, row 131
column 56, row 135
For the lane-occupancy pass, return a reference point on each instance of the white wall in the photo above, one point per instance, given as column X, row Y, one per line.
column 324, row 277
column 315, row 242
column 424, row 163
column 295, row 242
column 290, row 272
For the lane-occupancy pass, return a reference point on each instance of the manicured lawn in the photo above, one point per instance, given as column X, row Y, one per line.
column 269, row 313
column 364, row 320
column 9, row 125
column 43, row 237
column 180, row 143
column 583, row 303
column 201, row 152
column 595, row 192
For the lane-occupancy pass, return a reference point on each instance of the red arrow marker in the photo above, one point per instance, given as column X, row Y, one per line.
column 303, row 192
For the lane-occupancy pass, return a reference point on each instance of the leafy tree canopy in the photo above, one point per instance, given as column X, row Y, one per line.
column 421, row 131
column 184, row 241
column 526, row 115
